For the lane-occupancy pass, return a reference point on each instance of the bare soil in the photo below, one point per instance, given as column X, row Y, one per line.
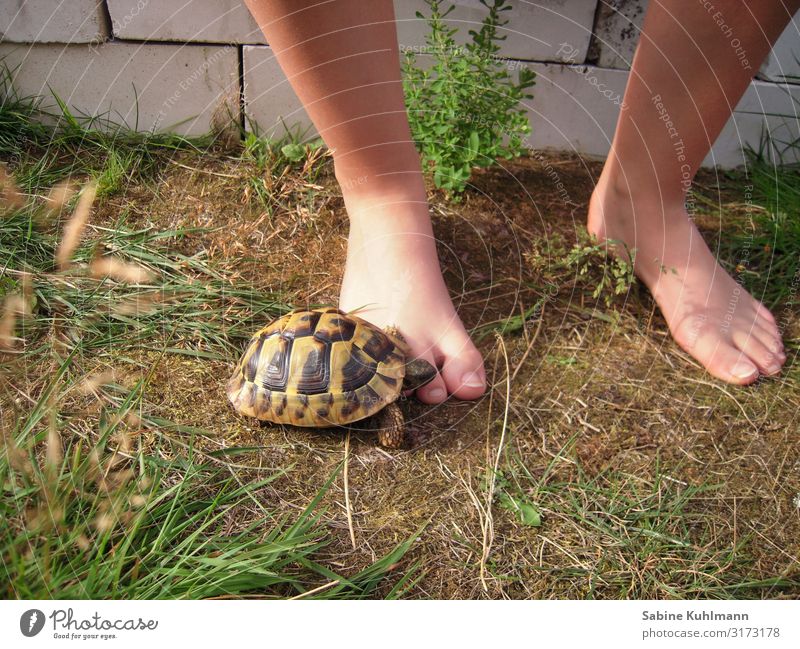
column 652, row 478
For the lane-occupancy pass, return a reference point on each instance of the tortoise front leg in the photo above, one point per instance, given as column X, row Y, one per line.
column 391, row 428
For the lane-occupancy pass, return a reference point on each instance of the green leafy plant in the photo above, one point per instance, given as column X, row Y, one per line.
column 513, row 499
column 611, row 275
column 465, row 109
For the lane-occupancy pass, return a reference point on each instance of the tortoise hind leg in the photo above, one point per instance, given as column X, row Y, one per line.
column 391, row 428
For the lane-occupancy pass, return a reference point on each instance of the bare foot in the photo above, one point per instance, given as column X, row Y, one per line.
column 709, row 314
column 393, row 277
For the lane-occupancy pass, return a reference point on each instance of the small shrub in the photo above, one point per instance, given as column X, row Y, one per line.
column 464, row 110
column 610, row 275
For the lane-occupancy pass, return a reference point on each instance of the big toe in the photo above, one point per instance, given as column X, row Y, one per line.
column 463, row 370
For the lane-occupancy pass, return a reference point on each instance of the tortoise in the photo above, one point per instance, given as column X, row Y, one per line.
column 325, row 367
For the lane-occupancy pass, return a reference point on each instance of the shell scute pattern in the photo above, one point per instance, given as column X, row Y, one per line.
column 272, row 371
column 310, row 366
column 318, row 367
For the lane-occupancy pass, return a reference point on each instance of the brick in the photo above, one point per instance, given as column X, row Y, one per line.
column 535, row 31
column 783, row 62
column 616, row 33
column 51, row 21
column 269, row 99
column 569, row 110
column 529, row 35
column 575, row 108
column 208, row 21
column 180, row 88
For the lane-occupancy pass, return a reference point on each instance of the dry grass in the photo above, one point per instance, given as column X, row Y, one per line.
column 607, row 418
column 651, row 479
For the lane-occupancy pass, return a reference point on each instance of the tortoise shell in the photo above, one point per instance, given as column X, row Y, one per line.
column 321, row 367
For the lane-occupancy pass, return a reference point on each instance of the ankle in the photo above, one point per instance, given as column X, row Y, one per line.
column 637, row 186
column 372, row 190
column 395, row 202
column 395, row 172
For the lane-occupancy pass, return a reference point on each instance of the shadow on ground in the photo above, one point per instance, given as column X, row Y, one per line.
column 623, row 470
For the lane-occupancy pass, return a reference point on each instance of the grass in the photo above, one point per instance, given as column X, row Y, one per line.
column 44, row 155
column 638, row 537
column 286, row 167
column 187, row 298
column 623, row 470
column 98, row 514
column 764, row 255
column 101, row 496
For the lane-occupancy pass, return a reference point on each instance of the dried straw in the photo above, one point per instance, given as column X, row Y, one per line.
column 75, row 226
column 110, row 266
column 10, row 196
column 15, row 305
column 56, row 200
column 347, row 505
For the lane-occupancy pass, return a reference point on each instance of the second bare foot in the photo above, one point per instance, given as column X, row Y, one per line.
column 709, row 314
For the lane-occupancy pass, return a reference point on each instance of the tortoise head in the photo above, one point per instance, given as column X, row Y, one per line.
column 418, row 373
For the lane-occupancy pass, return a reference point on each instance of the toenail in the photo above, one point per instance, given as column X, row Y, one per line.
column 472, row 380
column 743, row 370
column 436, row 394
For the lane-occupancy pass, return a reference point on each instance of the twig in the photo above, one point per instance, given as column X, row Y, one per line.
column 205, row 171
column 347, row 505
column 314, row 591
column 488, row 526
column 530, row 345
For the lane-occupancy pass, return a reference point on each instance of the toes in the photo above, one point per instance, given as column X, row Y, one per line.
column 463, row 370
column 723, row 360
column 770, row 337
column 436, row 390
column 765, row 313
column 749, row 343
column 765, row 320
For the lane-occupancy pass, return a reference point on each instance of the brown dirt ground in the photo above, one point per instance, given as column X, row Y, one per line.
column 604, row 406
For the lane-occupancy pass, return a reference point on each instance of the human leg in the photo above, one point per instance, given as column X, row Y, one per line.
column 342, row 59
column 685, row 81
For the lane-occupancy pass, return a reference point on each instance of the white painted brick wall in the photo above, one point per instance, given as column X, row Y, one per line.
column 764, row 108
column 269, row 99
column 619, row 23
column 569, row 111
column 52, row 21
column 533, row 33
column 207, row 21
column 178, row 86
column 575, row 108
column 181, row 86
